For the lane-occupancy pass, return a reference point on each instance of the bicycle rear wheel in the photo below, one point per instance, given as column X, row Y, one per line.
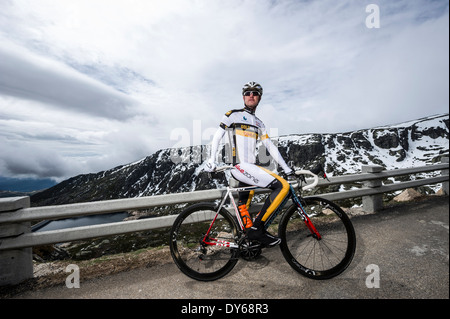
column 194, row 257
column 315, row 258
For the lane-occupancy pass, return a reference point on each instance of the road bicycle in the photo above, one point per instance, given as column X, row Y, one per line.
column 317, row 237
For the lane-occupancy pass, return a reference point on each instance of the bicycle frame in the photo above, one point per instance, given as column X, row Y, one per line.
column 211, row 255
column 229, row 195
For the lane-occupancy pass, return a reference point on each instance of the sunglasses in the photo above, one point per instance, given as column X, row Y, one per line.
column 255, row 93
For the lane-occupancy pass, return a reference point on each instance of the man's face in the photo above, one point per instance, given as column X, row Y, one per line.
column 251, row 100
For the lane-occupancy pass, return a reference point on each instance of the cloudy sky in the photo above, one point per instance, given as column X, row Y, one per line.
column 87, row 85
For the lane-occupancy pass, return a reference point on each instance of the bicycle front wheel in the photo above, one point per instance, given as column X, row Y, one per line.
column 200, row 248
column 317, row 257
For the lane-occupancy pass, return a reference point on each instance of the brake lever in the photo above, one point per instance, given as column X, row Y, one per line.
column 320, row 171
column 302, row 178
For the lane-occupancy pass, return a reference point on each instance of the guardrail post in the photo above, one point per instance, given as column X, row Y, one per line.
column 372, row 203
column 16, row 265
column 444, row 173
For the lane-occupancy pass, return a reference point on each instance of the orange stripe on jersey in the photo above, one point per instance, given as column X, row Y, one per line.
column 247, row 134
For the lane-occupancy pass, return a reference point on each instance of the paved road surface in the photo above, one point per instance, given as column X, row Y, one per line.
column 408, row 244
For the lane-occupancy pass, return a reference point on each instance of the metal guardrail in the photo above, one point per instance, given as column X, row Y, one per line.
column 100, row 207
column 16, row 213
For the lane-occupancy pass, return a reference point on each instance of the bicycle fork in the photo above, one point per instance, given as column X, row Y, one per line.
column 301, row 211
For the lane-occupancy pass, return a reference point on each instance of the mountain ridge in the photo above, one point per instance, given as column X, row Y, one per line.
column 412, row 143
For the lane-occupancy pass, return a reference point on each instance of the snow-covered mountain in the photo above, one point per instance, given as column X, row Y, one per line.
column 414, row 143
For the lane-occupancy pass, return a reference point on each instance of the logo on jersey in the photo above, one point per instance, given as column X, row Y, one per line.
column 245, row 119
column 247, row 174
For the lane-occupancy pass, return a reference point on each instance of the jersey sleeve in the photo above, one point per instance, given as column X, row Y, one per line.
column 215, row 144
column 224, row 124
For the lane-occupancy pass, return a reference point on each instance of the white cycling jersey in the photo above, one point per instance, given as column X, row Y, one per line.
column 246, row 129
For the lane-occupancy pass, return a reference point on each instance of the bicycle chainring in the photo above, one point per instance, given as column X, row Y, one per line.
column 250, row 250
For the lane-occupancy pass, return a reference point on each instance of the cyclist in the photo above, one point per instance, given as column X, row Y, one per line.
column 246, row 129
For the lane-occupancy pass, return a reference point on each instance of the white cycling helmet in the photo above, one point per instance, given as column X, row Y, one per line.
column 252, row 86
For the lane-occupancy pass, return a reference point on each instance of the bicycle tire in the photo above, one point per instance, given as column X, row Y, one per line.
column 314, row 258
column 196, row 260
